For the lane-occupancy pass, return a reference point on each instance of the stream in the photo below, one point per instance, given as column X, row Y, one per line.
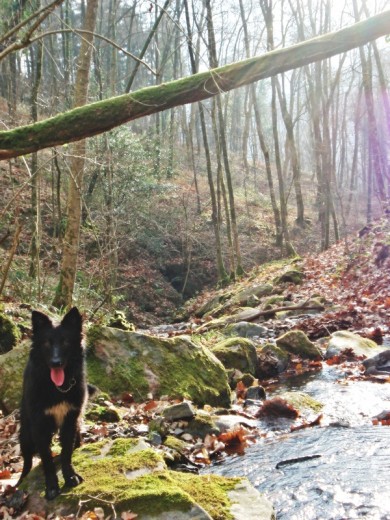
column 349, row 479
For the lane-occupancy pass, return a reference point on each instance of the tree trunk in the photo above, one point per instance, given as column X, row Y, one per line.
column 34, row 271
column 222, row 275
column 64, row 292
column 374, row 146
column 238, row 270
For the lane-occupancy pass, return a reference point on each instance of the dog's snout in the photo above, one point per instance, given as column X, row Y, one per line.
column 56, row 360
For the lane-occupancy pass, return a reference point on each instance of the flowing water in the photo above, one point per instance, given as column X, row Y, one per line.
column 349, row 479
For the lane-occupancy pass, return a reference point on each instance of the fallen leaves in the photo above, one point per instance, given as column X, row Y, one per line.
column 277, row 407
column 383, row 418
column 5, row 474
column 233, row 441
column 345, row 355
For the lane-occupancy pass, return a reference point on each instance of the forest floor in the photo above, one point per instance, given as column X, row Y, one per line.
column 353, row 279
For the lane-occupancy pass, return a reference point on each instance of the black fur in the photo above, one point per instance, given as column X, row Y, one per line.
column 46, row 407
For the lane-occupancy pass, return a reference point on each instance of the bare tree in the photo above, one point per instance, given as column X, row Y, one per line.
column 64, row 291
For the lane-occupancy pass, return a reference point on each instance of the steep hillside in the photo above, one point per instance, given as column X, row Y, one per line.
column 349, row 283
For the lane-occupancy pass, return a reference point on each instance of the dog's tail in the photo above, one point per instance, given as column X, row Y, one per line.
column 27, row 465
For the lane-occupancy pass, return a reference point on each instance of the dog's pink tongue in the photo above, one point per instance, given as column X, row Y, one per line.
column 57, row 376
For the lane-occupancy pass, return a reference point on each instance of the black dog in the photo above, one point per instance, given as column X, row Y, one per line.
column 54, row 393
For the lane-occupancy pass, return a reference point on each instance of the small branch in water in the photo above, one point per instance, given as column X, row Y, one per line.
column 296, row 460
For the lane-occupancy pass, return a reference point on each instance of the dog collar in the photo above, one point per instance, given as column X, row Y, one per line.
column 71, row 385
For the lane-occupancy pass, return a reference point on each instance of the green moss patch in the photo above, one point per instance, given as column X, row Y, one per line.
column 11, row 376
column 302, row 401
column 126, row 361
column 210, row 492
column 108, row 479
column 9, row 334
column 175, row 444
column 239, row 353
column 296, row 342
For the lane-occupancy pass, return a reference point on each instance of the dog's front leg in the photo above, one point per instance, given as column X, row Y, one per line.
column 68, row 436
column 43, row 446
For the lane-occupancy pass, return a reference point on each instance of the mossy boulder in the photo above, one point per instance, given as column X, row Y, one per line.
column 292, row 276
column 272, row 360
column 121, row 361
column 239, row 353
column 119, row 321
column 9, row 334
column 273, row 301
column 245, row 329
column 201, row 425
column 296, row 342
column 344, row 339
column 11, row 376
column 102, row 412
column 245, row 296
column 243, row 314
column 302, row 402
column 127, row 475
column 211, row 306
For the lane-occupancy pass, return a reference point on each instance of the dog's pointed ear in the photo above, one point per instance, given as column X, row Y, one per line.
column 40, row 321
column 73, row 320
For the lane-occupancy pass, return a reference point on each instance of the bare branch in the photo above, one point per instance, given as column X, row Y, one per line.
column 21, row 24
column 25, row 40
column 96, row 35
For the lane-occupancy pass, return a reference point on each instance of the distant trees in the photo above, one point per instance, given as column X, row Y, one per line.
column 311, row 141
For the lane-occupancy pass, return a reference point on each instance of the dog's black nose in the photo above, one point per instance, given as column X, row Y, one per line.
column 56, row 363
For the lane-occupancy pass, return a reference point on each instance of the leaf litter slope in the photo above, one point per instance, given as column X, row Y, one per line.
column 354, row 277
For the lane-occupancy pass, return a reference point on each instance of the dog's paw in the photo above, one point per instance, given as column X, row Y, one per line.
column 73, row 480
column 52, row 492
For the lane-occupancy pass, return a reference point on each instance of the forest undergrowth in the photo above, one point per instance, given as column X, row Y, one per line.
column 165, row 255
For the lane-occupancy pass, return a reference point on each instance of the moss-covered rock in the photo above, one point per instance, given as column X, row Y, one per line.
column 237, row 353
column 201, row 425
column 9, row 334
column 175, row 444
column 273, row 301
column 11, row 376
column 344, row 339
column 243, row 314
column 302, row 401
column 125, row 475
column 119, row 321
column 102, row 412
column 296, row 342
column 245, row 329
column 272, row 360
column 293, row 276
column 141, row 364
column 245, row 295
column 211, row 306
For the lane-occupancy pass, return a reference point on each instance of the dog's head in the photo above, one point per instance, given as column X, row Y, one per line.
column 59, row 344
